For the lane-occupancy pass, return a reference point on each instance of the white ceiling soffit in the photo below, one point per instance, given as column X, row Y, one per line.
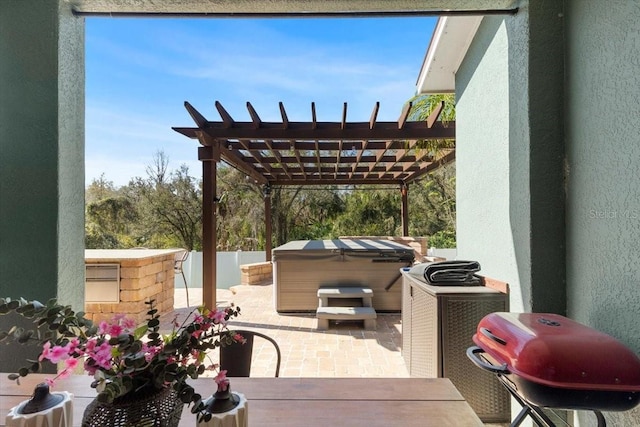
column 449, row 43
column 251, row 7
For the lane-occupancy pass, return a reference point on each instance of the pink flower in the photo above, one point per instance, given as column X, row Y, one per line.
column 74, row 347
column 71, row 363
column 218, row 317
column 50, row 382
column 103, row 327
column 91, row 345
column 115, row 330
column 45, row 351
column 222, row 380
column 150, row 351
column 129, row 323
column 58, row 353
column 103, row 355
column 239, row 338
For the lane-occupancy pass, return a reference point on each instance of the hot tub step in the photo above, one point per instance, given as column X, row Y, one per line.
column 367, row 314
column 366, row 294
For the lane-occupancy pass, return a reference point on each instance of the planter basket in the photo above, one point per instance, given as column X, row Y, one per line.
column 159, row 408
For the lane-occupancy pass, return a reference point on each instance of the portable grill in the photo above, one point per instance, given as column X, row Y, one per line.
column 549, row 361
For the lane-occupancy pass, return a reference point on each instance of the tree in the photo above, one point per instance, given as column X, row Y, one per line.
column 240, row 219
column 315, row 210
column 434, row 197
column 369, row 212
column 109, row 216
column 422, row 106
column 99, row 189
column 433, row 204
column 169, row 206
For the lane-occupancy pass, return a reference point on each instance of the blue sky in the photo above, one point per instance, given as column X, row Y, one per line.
column 139, row 72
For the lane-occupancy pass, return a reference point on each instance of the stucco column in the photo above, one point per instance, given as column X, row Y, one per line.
column 41, row 152
column 536, row 150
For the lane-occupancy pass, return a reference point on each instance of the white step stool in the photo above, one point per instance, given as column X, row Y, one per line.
column 367, row 313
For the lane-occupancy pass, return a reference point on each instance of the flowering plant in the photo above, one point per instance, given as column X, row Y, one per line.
column 121, row 356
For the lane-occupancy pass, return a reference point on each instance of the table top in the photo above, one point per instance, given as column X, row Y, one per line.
column 295, row 402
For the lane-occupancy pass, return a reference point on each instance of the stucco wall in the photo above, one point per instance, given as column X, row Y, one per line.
column 603, row 163
column 41, row 151
column 485, row 225
column 41, row 157
column 510, row 148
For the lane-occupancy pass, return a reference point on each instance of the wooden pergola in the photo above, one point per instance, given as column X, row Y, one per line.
column 289, row 153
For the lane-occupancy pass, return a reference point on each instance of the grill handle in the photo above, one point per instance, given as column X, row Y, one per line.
column 487, row 333
column 472, row 354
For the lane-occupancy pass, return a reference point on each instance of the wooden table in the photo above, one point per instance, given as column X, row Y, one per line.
column 309, row 402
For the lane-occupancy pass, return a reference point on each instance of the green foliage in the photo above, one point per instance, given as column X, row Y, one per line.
column 432, row 203
column 369, row 213
column 443, row 239
column 422, row 106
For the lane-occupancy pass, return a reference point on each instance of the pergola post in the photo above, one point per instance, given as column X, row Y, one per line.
column 267, row 221
column 404, row 190
column 209, row 156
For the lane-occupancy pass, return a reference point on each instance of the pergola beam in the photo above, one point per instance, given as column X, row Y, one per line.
column 356, row 131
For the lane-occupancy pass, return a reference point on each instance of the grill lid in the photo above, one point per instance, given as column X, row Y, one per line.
column 556, row 351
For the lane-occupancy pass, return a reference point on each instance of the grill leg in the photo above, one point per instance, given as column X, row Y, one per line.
column 539, row 418
column 536, row 414
column 520, row 417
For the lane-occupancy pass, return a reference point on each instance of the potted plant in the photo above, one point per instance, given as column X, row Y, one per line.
column 125, row 360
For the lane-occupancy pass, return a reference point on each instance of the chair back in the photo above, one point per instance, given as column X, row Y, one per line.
column 235, row 358
column 179, row 259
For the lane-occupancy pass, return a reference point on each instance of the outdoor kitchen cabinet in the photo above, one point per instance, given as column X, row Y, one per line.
column 438, row 323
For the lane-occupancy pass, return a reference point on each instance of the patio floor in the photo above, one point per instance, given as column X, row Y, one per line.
column 345, row 350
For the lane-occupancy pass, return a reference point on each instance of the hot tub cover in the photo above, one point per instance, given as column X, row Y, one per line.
column 377, row 250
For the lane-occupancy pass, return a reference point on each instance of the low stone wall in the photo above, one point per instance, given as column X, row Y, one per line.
column 141, row 280
column 257, row 273
column 418, row 244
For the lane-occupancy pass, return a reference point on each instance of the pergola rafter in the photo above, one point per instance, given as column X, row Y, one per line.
column 312, row 153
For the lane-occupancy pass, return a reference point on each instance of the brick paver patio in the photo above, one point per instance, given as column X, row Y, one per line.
column 345, row 350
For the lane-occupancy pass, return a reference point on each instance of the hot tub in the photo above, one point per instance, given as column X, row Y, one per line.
column 301, row 267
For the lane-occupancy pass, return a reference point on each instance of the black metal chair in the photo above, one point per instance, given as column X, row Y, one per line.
column 236, row 358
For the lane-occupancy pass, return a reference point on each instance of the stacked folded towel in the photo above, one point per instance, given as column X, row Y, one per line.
column 448, row 273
